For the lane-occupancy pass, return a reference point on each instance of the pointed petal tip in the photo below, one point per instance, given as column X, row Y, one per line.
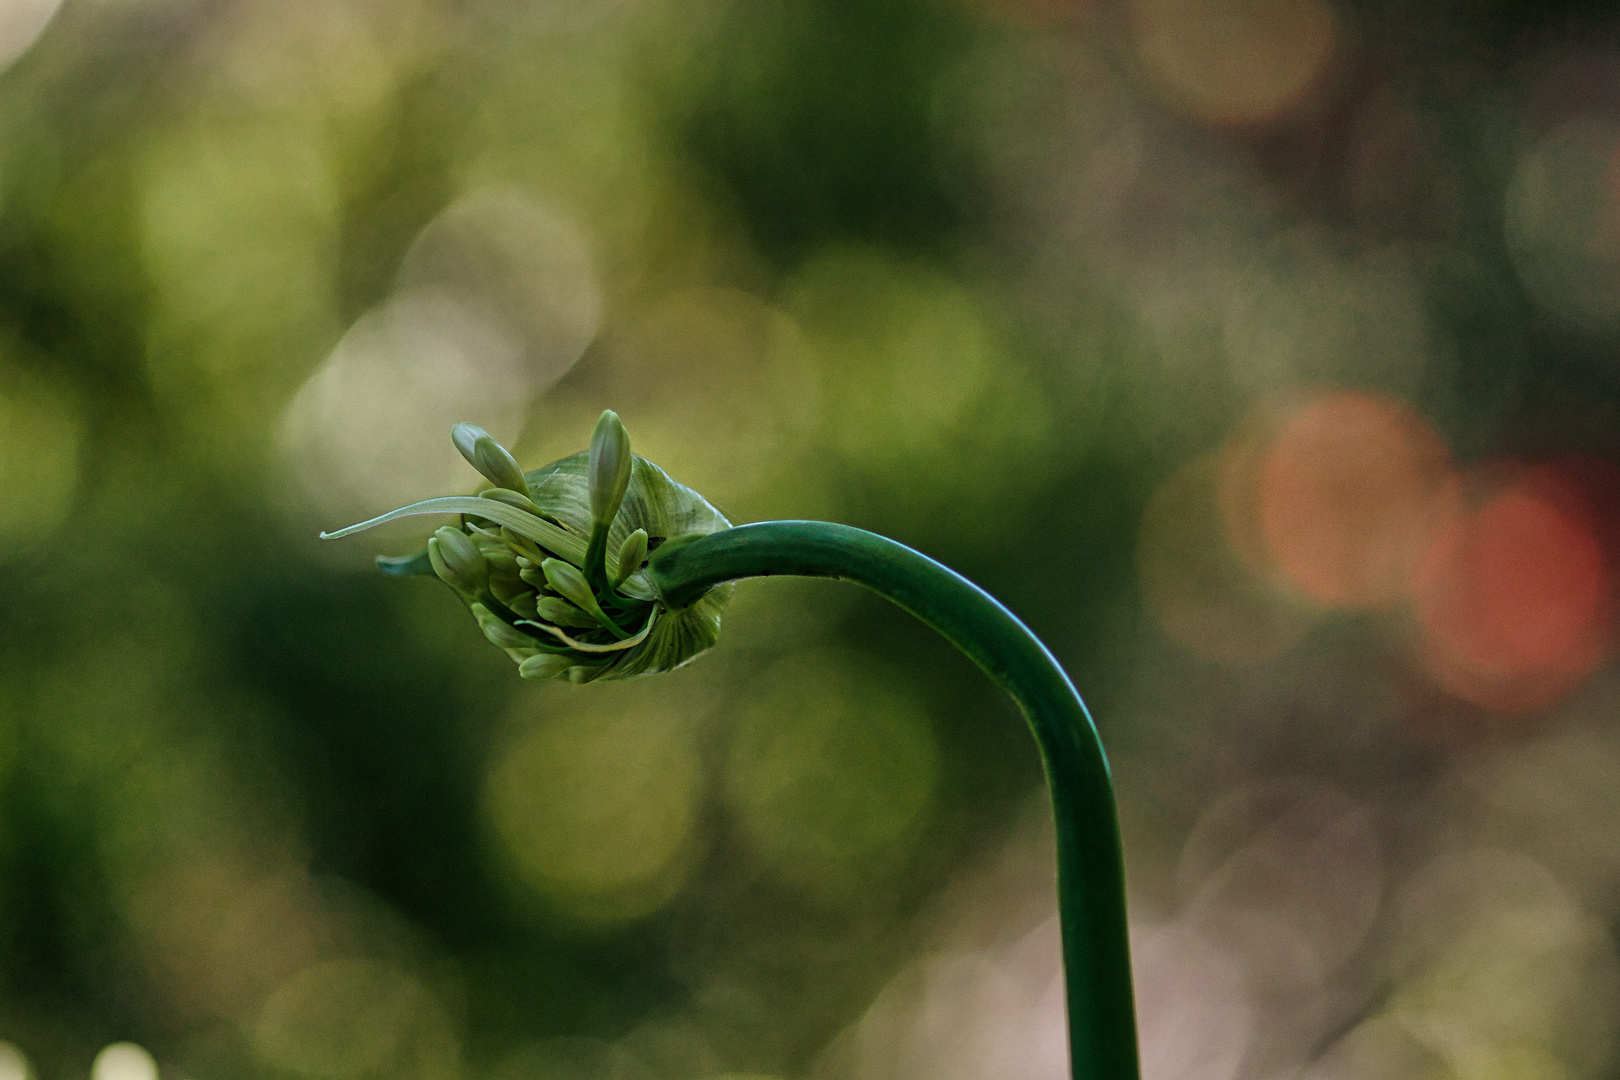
column 466, row 436
column 632, row 553
column 609, row 468
column 539, row 530
column 498, row 465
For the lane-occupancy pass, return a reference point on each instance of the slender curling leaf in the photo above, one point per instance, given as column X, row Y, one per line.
column 510, row 498
column 616, row 646
column 556, row 540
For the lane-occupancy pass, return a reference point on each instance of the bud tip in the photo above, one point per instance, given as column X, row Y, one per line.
column 610, row 466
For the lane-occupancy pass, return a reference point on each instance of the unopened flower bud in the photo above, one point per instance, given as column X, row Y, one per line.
column 631, row 555
column 457, row 561
column 545, row 666
column 501, row 561
column 531, row 539
column 580, row 674
column 554, row 609
column 465, row 435
column 488, row 457
column 610, row 466
column 499, row 633
column 566, row 580
column 492, row 459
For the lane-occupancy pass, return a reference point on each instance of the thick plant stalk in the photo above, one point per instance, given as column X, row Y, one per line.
column 1091, row 881
column 530, row 560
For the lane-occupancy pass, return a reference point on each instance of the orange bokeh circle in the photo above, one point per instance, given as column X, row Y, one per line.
column 1342, row 495
column 1514, row 595
column 1234, row 62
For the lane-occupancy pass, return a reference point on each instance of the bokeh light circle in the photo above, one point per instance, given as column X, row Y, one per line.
column 1195, row 1017
column 355, row 1017
column 1343, row 495
column 124, row 1061
column 1492, row 955
column 497, row 299
column 596, row 809
column 40, row 436
column 1233, row 61
column 366, row 433
column 1199, row 588
column 1515, row 593
column 831, row 772
column 1287, row 874
column 1304, row 311
column 526, row 266
column 1562, row 223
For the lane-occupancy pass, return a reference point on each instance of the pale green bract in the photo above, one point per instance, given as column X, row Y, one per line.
column 591, row 619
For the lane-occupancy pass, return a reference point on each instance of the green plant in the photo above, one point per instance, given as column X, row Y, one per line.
column 601, row 566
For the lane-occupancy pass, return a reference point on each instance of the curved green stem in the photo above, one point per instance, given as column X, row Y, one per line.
column 596, row 560
column 1091, row 876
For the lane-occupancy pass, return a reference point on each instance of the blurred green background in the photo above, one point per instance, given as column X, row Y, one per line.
column 1262, row 354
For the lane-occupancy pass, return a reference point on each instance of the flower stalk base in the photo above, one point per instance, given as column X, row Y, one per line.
column 1091, row 876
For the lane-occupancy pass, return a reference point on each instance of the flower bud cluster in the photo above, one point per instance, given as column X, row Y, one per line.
column 554, row 569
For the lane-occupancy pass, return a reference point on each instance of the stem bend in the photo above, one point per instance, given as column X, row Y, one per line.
column 1091, row 876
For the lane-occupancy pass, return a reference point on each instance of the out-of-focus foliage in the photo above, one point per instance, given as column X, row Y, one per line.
column 1261, row 353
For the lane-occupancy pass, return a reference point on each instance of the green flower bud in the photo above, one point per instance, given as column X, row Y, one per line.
column 567, row 581
column 465, row 436
column 458, row 562
column 524, row 604
column 610, row 466
column 554, row 609
column 580, row 674
column 491, row 459
column 544, row 666
column 501, row 561
column 522, row 547
column 488, row 456
column 531, row 538
column 502, row 636
column 632, row 553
